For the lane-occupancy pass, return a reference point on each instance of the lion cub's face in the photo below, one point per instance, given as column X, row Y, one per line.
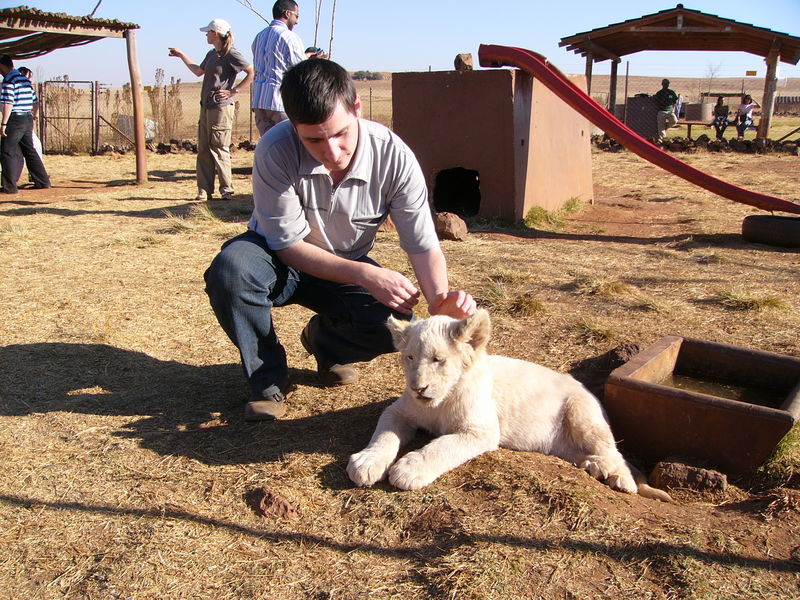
column 435, row 352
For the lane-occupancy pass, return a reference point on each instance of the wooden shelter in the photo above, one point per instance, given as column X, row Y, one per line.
column 29, row 32
column 682, row 28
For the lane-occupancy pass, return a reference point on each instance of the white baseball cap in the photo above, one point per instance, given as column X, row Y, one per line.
column 221, row 26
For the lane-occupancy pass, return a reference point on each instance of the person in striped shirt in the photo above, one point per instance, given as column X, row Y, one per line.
column 17, row 99
column 37, row 143
column 275, row 50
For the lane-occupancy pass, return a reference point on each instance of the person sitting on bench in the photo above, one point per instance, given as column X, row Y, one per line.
column 720, row 121
column 744, row 114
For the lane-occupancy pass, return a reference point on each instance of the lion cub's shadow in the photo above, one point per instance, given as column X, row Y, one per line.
column 473, row 402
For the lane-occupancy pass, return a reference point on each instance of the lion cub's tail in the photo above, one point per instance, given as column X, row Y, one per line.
column 646, row 490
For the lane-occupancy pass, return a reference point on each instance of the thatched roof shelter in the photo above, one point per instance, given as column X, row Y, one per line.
column 28, row 32
column 682, row 28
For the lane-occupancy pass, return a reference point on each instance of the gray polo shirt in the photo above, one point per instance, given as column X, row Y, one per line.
column 220, row 74
column 295, row 198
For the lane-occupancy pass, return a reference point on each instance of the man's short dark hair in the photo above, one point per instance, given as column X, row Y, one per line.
column 281, row 6
column 312, row 88
column 6, row 61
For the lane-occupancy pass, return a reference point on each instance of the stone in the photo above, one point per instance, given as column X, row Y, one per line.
column 463, row 62
column 450, row 226
column 676, row 475
column 269, row 504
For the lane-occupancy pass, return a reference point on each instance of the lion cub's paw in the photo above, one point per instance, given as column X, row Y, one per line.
column 368, row 467
column 595, row 466
column 613, row 476
column 622, row 482
column 410, row 473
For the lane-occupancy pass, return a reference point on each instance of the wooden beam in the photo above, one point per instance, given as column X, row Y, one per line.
column 43, row 26
column 612, row 88
column 589, row 61
column 681, row 29
column 598, row 50
column 138, row 107
column 770, row 86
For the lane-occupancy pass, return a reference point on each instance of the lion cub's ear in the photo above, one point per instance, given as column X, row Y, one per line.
column 398, row 327
column 475, row 330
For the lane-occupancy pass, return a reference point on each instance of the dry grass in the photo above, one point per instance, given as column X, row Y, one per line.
column 739, row 299
column 127, row 464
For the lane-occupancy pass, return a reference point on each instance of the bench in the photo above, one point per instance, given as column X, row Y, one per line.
column 689, row 125
column 705, row 124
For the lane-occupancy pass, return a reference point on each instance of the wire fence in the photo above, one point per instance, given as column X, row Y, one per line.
column 87, row 116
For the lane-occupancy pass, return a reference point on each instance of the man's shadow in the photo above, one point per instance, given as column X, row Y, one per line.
column 180, row 409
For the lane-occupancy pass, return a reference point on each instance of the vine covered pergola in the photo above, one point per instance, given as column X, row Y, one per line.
column 682, row 28
column 28, row 32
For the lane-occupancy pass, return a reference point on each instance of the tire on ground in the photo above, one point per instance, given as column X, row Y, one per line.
column 774, row 230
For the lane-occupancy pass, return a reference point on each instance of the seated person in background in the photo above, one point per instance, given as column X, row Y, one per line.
column 744, row 114
column 720, row 121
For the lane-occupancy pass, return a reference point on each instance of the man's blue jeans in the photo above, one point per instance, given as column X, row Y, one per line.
column 246, row 280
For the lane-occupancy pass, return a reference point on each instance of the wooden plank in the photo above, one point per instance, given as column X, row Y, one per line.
column 682, row 30
column 43, row 26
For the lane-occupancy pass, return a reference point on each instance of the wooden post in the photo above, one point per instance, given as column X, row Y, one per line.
column 589, row 61
column 612, row 88
column 770, row 86
column 42, row 115
column 138, row 107
column 627, row 73
column 95, row 118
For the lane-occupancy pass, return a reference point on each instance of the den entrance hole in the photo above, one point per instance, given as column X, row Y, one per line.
column 457, row 191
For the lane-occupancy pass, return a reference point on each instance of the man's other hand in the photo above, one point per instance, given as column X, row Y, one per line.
column 392, row 289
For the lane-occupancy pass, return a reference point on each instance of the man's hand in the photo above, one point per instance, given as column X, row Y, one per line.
column 392, row 289
column 457, row 304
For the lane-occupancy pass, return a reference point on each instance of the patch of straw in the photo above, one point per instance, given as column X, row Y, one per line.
column 526, row 305
column 738, row 299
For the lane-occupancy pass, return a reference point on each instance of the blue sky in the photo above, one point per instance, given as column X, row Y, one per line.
column 404, row 35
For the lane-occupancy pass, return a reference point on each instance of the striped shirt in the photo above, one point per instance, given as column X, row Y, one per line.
column 275, row 50
column 17, row 91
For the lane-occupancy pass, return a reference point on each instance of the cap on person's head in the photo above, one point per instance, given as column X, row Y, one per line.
column 313, row 50
column 221, row 26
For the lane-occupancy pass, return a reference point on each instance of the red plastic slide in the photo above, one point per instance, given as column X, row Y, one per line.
column 537, row 66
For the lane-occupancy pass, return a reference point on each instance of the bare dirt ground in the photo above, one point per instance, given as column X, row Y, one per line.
column 129, row 472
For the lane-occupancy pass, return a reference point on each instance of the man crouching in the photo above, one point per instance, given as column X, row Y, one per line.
column 323, row 182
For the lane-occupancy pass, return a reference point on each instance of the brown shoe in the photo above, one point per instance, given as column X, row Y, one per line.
column 270, row 408
column 333, row 375
column 337, row 375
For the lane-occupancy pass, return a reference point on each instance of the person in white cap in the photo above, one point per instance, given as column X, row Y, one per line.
column 219, row 70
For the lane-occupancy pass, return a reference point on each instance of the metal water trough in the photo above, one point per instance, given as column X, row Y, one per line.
column 656, row 421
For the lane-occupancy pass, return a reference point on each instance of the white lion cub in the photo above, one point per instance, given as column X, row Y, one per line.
column 476, row 403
